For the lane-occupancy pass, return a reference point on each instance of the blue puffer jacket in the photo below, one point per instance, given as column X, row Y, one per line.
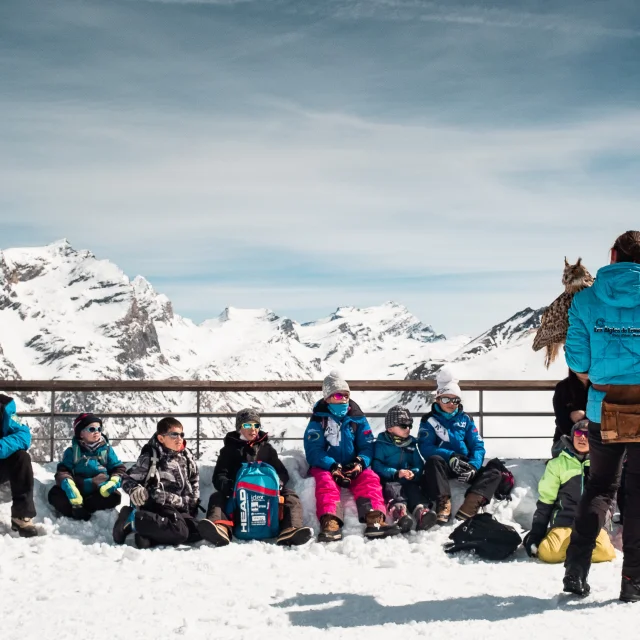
column 13, row 435
column 89, row 469
column 329, row 440
column 389, row 458
column 444, row 434
column 604, row 331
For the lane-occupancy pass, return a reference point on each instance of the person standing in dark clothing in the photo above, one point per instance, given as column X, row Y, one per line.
column 569, row 404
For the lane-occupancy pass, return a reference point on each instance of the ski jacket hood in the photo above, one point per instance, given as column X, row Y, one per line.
column 14, row 436
column 618, row 284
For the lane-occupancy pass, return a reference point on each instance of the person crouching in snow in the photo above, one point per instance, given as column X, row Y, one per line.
column 451, row 447
column 338, row 444
column 397, row 461
column 88, row 477
column 560, row 490
column 164, row 489
column 248, row 443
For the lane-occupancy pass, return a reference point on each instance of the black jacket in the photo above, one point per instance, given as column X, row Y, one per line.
column 570, row 395
column 236, row 451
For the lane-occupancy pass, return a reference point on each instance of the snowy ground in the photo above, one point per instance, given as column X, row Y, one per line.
column 73, row 582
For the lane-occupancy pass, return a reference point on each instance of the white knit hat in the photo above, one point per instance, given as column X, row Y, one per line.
column 447, row 383
column 334, row 383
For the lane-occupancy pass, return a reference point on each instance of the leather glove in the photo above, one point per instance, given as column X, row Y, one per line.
column 107, row 488
column 194, row 504
column 531, row 543
column 72, row 492
column 353, row 469
column 340, row 479
column 138, row 496
column 462, row 469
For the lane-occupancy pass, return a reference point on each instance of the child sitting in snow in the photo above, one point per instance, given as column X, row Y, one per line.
column 397, row 461
column 88, row 477
column 338, row 444
column 248, row 443
column 164, row 488
column 451, row 447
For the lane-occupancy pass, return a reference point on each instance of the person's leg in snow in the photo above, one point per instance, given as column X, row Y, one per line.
column 479, row 494
column 91, row 503
column 217, row 525
column 367, row 492
column 158, row 525
column 329, row 509
column 436, row 483
column 292, row 529
column 397, row 507
column 17, row 470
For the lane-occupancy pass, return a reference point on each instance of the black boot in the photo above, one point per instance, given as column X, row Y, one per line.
column 124, row 525
column 377, row 526
column 630, row 590
column 575, row 581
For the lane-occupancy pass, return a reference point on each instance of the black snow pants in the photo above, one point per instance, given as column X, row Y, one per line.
column 91, row 503
column 164, row 525
column 18, row 472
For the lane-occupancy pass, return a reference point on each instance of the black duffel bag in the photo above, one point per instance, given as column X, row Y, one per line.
column 484, row 536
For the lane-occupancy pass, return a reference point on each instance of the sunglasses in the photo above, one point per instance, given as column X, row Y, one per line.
column 450, row 400
column 93, row 429
column 340, row 396
column 581, row 433
column 175, row 435
column 403, row 426
column 250, row 425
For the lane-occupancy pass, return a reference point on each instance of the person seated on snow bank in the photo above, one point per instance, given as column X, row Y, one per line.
column 248, row 443
column 88, row 477
column 569, row 407
column 398, row 463
column 15, row 468
column 451, row 447
column 164, row 489
column 560, row 490
column 338, row 444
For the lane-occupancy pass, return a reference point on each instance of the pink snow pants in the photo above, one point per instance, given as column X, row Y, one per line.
column 366, row 490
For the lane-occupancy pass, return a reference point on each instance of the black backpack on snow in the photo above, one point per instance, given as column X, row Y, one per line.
column 503, row 492
column 484, row 536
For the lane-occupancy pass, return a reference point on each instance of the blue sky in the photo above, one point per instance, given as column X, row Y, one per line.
column 303, row 155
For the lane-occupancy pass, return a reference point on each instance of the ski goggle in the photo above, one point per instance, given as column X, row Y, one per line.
column 93, row 429
column 175, row 435
column 581, row 433
column 250, row 425
column 450, row 400
column 340, row 397
column 403, row 426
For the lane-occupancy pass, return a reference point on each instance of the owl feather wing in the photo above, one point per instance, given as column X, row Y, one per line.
column 554, row 322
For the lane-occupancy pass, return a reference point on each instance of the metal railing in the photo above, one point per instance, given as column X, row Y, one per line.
column 203, row 386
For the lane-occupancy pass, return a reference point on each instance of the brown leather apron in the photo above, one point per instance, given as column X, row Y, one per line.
column 620, row 420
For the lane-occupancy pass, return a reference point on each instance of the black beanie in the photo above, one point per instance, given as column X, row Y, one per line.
column 246, row 415
column 84, row 420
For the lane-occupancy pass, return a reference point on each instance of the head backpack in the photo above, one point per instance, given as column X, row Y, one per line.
column 484, row 536
column 254, row 505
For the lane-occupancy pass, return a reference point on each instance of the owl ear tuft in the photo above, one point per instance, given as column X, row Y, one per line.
column 579, row 262
column 566, row 262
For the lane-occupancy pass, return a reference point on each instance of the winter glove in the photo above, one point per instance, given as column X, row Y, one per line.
column 353, row 469
column 109, row 487
column 340, row 479
column 170, row 499
column 72, row 492
column 193, row 505
column 531, row 543
column 138, row 496
column 462, row 469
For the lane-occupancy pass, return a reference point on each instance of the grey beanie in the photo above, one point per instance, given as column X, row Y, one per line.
column 246, row 415
column 334, row 383
column 583, row 425
column 398, row 416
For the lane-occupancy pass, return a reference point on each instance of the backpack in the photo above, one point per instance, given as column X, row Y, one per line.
column 503, row 492
column 485, row 536
column 255, row 503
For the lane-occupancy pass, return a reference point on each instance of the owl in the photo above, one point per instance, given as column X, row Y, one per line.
column 555, row 320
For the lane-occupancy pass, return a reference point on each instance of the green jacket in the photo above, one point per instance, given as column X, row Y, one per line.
column 560, row 489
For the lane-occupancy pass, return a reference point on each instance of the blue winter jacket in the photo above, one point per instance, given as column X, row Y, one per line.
column 444, row 434
column 389, row 458
column 89, row 469
column 329, row 440
column 13, row 435
column 604, row 331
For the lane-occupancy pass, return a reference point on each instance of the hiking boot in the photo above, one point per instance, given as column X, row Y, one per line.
column 142, row 542
column 124, row 524
column 80, row 513
column 470, row 506
column 575, row 583
column 630, row 590
column 400, row 516
column 377, row 526
column 443, row 510
column 331, row 529
column 219, row 535
column 24, row 527
column 425, row 518
column 294, row 536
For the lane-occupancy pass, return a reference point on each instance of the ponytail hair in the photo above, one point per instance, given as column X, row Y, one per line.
column 627, row 247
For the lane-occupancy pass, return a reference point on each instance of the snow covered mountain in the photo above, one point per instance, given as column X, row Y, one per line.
column 67, row 315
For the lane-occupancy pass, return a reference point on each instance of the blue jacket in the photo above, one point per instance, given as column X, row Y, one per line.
column 444, row 434
column 13, row 435
column 89, row 469
column 389, row 458
column 329, row 440
column 604, row 331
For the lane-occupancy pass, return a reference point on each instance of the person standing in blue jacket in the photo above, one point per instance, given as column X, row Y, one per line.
column 603, row 345
column 89, row 474
column 338, row 444
column 451, row 447
column 16, row 469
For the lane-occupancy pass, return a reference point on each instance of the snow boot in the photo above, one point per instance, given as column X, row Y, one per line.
column 142, row 542
column 576, row 582
column 377, row 526
column 443, row 510
column 294, row 536
column 425, row 518
column 218, row 534
column 24, row 527
column 331, row 529
column 630, row 590
column 80, row 513
column 124, row 524
column 470, row 506
column 400, row 516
